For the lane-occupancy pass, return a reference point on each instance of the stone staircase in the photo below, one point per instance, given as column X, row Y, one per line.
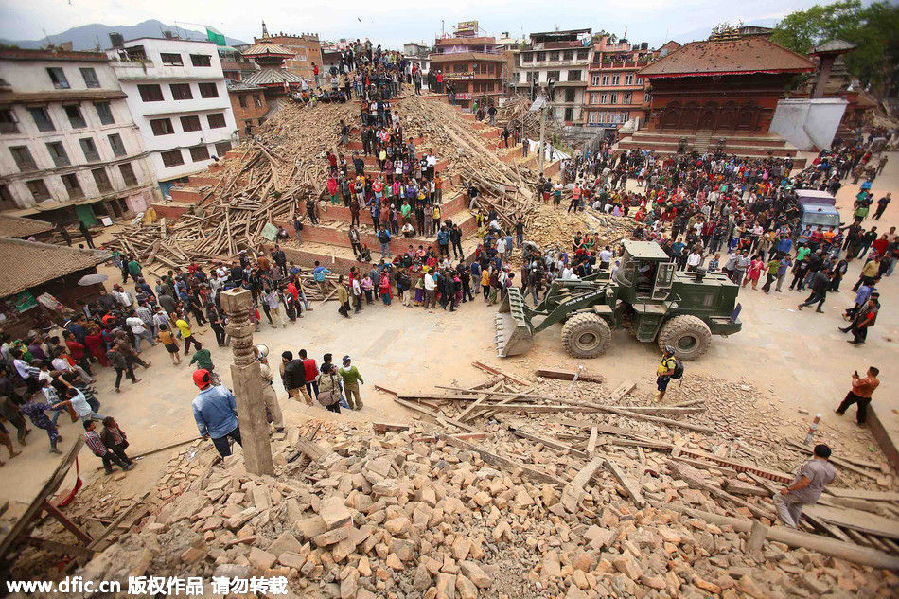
column 328, row 242
column 701, row 141
column 742, row 144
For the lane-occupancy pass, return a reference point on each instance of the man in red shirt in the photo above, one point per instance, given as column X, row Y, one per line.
column 311, row 374
column 315, row 73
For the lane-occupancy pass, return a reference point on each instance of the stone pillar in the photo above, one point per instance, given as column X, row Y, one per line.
column 254, row 427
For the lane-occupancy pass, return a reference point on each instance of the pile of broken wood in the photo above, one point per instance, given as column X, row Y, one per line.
column 274, row 171
column 640, row 442
column 515, row 113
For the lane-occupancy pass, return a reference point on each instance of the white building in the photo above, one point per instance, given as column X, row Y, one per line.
column 560, row 57
column 69, row 146
column 177, row 94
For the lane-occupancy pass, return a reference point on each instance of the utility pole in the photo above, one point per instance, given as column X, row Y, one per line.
column 542, row 136
column 254, row 428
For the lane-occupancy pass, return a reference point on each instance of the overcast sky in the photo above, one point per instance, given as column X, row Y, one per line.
column 398, row 21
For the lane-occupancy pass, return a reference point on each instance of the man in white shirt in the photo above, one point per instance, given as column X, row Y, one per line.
column 694, row 260
column 430, row 300
column 139, row 330
column 501, row 247
column 605, row 257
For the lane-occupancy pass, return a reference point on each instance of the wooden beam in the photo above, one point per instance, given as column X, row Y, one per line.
column 629, row 487
column 862, row 494
column 591, row 444
column 118, row 520
column 467, row 436
column 568, row 376
column 383, row 427
column 467, row 414
column 496, row 371
column 499, row 461
column 547, row 442
column 57, row 547
column 865, row 522
column 794, row 538
column 50, row 486
column 57, row 514
column 719, row 493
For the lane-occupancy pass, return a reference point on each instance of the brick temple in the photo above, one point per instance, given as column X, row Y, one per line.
column 720, row 93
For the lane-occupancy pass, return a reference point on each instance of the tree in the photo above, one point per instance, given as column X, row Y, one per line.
column 873, row 29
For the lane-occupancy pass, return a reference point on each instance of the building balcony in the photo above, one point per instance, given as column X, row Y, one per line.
column 582, row 63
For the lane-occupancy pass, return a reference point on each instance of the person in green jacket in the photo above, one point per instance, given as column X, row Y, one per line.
column 202, row 358
column 351, row 381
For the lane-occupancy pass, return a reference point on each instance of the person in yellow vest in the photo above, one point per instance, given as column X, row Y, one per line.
column 665, row 371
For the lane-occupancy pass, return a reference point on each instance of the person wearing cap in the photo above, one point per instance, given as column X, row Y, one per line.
column 268, row 389
column 807, row 487
column 215, row 411
column 665, row 370
column 351, row 382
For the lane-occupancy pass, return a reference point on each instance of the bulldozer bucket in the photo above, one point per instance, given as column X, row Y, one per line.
column 513, row 330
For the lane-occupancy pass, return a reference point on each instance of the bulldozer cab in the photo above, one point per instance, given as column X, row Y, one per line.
column 646, row 271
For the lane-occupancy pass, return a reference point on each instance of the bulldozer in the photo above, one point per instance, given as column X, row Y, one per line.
column 647, row 295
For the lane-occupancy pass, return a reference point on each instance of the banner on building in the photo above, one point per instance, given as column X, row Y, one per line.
column 215, row 36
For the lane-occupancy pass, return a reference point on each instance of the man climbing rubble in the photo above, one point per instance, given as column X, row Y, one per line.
column 807, row 487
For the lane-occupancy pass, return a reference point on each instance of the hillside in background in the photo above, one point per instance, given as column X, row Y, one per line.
column 88, row 37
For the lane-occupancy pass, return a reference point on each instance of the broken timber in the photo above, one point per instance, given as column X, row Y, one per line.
column 498, row 461
column 568, row 376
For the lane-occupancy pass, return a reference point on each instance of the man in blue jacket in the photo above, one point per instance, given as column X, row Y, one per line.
column 215, row 411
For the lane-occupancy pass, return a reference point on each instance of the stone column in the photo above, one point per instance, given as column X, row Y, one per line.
column 254, row 427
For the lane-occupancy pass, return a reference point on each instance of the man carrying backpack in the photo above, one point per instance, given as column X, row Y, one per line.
column 669, row 368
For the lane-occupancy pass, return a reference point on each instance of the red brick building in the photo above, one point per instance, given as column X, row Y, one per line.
column 726, row 86
column 249, row 105
column 616, row 93
column 475, row 66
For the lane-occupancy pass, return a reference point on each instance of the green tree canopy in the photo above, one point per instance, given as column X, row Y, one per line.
column 873, row 29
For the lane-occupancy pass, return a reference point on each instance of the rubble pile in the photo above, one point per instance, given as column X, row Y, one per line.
column 281, row 165
column 482, row 498
column 515, row 113
column 555, row 228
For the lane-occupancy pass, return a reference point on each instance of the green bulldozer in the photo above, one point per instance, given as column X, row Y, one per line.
column 647, row 295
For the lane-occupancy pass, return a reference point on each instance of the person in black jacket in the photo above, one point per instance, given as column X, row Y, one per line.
column 293, row 375
column 820, row 284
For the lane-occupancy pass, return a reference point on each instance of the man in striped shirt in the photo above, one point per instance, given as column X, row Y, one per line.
column 92, row 439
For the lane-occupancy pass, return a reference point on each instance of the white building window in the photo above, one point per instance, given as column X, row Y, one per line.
column 605, row 79
column 58, row 77
column 616, row 79
column 171, row 59
column 594, row 80
column 604, row 98
column 628, row 79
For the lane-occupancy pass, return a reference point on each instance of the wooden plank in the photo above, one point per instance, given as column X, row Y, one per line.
column 57, row 514
column 858, row 520
column 780, row 477
column 58, row 548
column 568, row 376
column 503, row 462
column 862, row 494
column 659, row 420
column 547, row 442
column 621, row 391
column 385, row 390
column 467, row 414
column 496, row 371
column 591, row 444
column 467, row 436
column 632, row 490
column 118, row 520
column 383, row 427
column 718, row 493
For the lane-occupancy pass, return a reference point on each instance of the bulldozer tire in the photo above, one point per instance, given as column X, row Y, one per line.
column 689, row 336
column 586, row 335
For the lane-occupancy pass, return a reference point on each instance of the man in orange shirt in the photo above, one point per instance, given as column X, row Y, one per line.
column 862, row 390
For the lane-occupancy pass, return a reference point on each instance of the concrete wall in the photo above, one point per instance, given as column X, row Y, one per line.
column 153, row 71
column 30, row 77
column 808, row 123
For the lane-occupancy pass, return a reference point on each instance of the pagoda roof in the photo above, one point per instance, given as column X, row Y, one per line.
column 266, row 48
column 833, row 47
column 268, row 77
column 742, row 56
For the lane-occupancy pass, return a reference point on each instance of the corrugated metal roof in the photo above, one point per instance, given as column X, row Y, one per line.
column 728, row 57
